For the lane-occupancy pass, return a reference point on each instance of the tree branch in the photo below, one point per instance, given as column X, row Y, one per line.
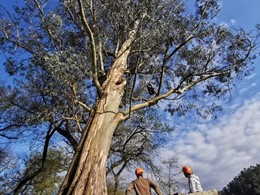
column 132, row 89
column 93, row 46
column 177, row 90
column 43, row 18
column 23, row 182
column 7, row 137
column 177, row 48
column 68, row 136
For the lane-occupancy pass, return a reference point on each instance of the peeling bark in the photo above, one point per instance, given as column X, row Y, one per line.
column 87, row 174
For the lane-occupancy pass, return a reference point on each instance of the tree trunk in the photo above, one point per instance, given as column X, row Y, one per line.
column 90, row 174
column 87, row 172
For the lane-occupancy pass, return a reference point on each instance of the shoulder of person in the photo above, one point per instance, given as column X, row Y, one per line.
column 149, row 180
column 194, row 177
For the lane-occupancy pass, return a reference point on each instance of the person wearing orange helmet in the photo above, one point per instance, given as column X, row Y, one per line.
column 193, row 180
column 142, row 186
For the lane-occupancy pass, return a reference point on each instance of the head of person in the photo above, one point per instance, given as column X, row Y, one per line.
column 139, row 172
column 186, row 171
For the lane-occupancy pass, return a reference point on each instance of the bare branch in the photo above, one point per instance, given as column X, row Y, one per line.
column 10, row 126
column 93, row 45
column 102, row 69
column 68, row 136
column 83, row 105
column 8, row 137
column 133, row 86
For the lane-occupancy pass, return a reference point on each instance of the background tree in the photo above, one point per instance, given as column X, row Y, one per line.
column 111, row 189
column 50, row 177
column 9, row 171
column 168, row 179
column 247, row 182
column 136, row 143
column 81, row 68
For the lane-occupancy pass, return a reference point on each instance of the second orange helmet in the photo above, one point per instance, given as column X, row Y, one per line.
column 187, row 170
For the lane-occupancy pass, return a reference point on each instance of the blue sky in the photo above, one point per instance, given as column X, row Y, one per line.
column 217, row 152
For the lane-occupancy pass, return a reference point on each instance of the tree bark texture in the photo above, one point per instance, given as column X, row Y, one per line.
column 87, row 172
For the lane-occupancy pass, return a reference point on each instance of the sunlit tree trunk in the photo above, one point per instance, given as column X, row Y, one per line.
column 89, row 175
column 87, row 172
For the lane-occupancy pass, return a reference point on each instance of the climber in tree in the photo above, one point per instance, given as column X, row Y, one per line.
column 193, row 180
column 142, row 186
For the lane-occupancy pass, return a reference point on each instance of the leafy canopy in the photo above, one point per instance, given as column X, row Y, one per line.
column 246, row 182
column 59, row 53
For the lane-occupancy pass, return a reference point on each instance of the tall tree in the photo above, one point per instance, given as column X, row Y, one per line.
column 247, row 182
column 168, row 178
column 83, row 67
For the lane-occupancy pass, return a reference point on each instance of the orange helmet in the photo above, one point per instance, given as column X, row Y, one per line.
column 138, row 171
column 187, row 170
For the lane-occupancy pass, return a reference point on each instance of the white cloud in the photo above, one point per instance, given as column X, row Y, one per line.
column 218, row 152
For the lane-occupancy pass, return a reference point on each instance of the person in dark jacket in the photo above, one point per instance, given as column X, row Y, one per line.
column 142, row 186
column 193, row 180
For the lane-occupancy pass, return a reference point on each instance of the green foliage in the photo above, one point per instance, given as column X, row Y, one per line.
column 55, row 49
column 111, row 191
column 246, row 183
column 9, row 171
column 52, row 57
column 49, row 179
